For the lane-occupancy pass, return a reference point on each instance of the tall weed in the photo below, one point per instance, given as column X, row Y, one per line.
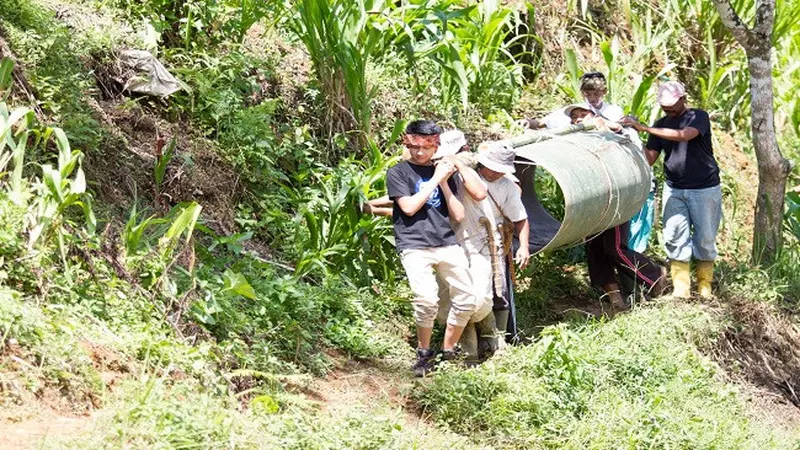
column 337, row 237
column 472, row 45
column 342, row 37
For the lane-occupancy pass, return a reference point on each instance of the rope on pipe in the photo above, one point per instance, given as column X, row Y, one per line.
column 605, row 179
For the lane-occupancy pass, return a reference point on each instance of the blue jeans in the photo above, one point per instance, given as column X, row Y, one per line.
column 691, row 219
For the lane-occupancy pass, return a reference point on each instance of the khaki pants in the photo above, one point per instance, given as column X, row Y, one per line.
column 480, row 270
column 451, row 266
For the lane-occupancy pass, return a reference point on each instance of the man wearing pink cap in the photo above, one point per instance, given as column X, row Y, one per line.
column 692, row 207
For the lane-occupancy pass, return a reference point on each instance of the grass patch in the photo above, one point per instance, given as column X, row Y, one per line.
column 636, row 382
column 162, row 413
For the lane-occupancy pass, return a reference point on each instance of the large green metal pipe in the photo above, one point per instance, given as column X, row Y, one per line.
column 604, row 177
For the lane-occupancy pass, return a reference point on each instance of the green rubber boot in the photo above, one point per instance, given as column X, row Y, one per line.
column 501, row 319
column 469, row 344
column 487, row 336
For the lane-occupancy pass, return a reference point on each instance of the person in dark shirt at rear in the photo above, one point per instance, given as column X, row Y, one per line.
column 692, row 200
column 423, row 204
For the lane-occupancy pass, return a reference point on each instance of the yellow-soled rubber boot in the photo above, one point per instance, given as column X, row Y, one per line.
column 705, row 274
column 681, row 279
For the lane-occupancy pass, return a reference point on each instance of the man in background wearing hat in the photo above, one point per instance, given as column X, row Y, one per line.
column 692, row 207
column 594, row 90
column 503, row 203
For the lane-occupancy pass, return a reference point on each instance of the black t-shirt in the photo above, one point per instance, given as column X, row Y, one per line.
column 687, row 165
column 430, row 226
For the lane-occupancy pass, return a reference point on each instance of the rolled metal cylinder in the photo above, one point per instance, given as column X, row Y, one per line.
column 605, row 179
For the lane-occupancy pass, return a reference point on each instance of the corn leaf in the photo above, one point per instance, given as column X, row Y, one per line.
column 184, row 223
column 572, row 68
column 163, row 161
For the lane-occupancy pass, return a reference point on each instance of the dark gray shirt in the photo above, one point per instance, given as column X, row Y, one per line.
column 687, row 164
column 430, row 226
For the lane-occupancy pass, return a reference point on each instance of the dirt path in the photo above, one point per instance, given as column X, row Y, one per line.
column 382, row 389
column 32, row 433
column 369, row 385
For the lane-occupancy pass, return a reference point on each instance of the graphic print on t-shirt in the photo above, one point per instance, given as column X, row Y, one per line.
column 435, row 198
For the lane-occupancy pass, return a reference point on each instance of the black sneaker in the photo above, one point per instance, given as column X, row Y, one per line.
column 425, row 361
column 453, row 355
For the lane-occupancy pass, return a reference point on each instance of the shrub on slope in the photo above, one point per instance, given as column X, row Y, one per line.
column 636, row 382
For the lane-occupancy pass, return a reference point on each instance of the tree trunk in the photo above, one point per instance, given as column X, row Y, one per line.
column 773, row 168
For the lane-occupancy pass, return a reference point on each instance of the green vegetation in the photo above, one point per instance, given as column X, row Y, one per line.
column 191, row 267
column 636, row 382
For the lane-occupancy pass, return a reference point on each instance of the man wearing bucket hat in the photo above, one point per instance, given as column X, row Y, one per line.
column 692, row 200
column 481, row 236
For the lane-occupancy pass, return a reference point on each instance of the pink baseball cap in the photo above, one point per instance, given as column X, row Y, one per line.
column 670, row 92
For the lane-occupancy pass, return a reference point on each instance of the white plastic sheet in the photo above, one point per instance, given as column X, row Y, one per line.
column 146, row 75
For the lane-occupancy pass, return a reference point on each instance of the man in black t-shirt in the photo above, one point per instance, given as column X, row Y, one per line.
column 692, row 194
column 423, row 205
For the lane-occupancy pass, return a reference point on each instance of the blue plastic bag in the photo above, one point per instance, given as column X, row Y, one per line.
column 642, row 225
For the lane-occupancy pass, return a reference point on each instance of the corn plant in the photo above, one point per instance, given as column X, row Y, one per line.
column 572, row 86
column 133, row 233
column 339, row 238
column 143, row 235
column 150, row 246
column 472, row 47
column 183, row 225
column 56, row 192
column 16, row 143
column 341, row 38
column 6, row 73
column 162, row 161
column 336, row 236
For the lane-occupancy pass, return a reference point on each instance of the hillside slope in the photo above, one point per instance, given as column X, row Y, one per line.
column 230, row 296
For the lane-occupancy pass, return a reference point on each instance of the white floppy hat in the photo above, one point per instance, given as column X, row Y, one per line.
column 568, row 110
column 497, row 156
